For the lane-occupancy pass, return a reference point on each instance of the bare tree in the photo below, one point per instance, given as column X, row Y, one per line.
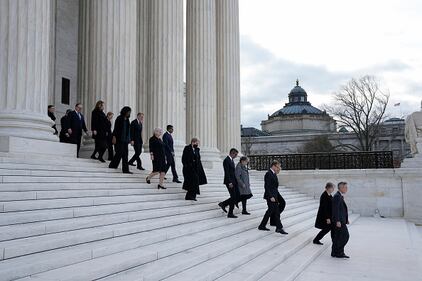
column 360, row 105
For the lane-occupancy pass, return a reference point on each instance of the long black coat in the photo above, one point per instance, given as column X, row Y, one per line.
column 156, row 147
column 64, row 124
column 339, row 209
column 121, row 130
column 193, row 172
column 99, row 123
column 324, row 211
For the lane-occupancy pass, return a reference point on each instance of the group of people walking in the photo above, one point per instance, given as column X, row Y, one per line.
column 332, row 213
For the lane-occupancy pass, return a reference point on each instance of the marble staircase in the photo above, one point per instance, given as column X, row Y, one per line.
column 75, row 219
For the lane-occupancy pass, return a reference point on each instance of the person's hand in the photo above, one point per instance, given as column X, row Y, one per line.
column 69, row 131
column 338, row 224
column 152, row 157
column 348, row 222
column 272, row 199
column 113, row 140
column 94, row 133
column 132, row 143
column 67, row 135
column 230, row 185
column 328, row 221
column 172, row 154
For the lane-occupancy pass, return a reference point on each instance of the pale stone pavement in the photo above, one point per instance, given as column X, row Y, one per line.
column 380, row 250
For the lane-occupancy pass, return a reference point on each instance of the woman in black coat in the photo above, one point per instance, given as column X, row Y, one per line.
column 323, row 219
column 99, row 130
column 193, row 172
column 64, row 126
column 158, row 157
column 110, row 136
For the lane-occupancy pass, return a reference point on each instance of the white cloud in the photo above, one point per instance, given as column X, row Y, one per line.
column 324, row 43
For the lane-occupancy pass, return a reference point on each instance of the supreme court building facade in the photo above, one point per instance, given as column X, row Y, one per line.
column 177, row 61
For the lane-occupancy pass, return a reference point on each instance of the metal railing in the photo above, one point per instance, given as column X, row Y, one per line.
column 326, row 161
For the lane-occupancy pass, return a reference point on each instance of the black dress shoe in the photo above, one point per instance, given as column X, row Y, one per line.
column 281, row 231
column 245, row 213
column 161, row 187
column 127, row 172
column 148, row 180
column 317, row 242
column 93, row 157
column 165, row 178
column 131, row 164
column 263, row 228
column 101, row 160
column 177, row 181
column 232, row 216
column 222, row 207
column 344, row 256
column 141, row 168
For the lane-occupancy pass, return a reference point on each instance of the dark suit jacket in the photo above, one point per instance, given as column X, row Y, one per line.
column 339, row 209
column 271, row 185
column 99, row 123
column 229, row 171
column 121, row 135
column 136, row 132
column 324, row 211
column 76, row 124
column 168, row 144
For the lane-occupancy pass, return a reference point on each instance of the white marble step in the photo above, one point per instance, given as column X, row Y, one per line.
column 120, row 220
column 26, row 205
column 59, row 186
column 197, row 247
column 231, row 261
column 16, row 218
column 294, row 265
column 96, row 192
column 18, row 247
column 258, row 267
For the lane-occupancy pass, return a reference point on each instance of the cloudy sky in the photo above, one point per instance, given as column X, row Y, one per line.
column 324, row 43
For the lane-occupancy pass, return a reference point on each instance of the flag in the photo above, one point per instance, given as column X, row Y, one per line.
column 397, row 104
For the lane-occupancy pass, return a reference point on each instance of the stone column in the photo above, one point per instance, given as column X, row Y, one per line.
column 165, row 69
column 25, row 30
column 107, row 55
column 228, row 75
column 201, row 99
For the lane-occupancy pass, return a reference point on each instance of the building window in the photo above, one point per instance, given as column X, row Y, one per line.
column 65, row 91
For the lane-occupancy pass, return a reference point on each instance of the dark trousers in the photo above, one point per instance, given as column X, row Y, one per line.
column 136, row 157
column 281, row 207
column 244, row 199
column 340, row 237
column 110, row 150
column 322, row 233
column 273, row 213
column 121, row 154
column 234, row 198
column 100, row 147
column 171, row 163
column 77, row 141
column 190, row 195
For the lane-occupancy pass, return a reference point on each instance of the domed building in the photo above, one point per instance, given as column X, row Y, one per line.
column 298, row 116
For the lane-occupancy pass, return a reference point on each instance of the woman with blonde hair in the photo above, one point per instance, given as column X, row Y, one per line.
column 158, row 157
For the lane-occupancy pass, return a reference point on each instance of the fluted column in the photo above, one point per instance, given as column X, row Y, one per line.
column 228, row 75
column 25, row 36
column 201, row 73
column 165, row 68
column 142, row 89
column 107, row 57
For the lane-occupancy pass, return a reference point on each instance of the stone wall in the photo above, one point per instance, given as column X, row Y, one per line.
column 391, row 192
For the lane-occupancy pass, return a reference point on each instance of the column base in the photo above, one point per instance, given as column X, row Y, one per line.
column 30, row 147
